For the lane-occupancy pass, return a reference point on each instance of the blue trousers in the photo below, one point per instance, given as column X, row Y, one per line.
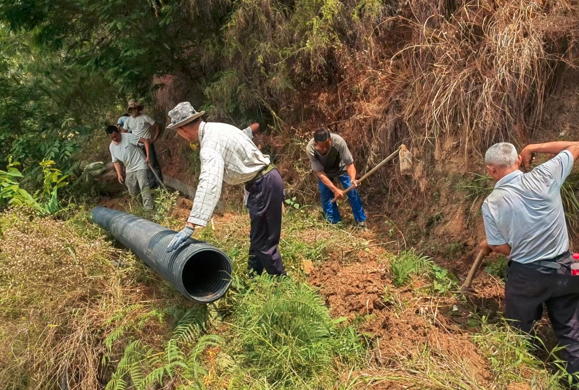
column 331, row 209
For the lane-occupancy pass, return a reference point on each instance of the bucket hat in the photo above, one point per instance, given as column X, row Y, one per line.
column 182, row 114
column 134, row 104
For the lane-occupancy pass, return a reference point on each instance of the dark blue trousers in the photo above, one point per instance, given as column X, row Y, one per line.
column 265, row 209
column 331, row 209
column 529, row 286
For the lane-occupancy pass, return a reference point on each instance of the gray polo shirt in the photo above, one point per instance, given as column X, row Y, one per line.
column 525, row 211
column 335, row 161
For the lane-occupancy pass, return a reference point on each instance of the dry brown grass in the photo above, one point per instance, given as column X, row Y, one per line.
column 474, row 72
column 50, row 279
column 62, row 287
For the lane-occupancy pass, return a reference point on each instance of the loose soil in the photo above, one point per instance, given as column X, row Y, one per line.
column 402, row 326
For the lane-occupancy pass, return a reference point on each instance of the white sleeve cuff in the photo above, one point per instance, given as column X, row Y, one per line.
column 197, row 221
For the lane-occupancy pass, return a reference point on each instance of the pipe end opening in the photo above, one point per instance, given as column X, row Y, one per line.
column 207, row 275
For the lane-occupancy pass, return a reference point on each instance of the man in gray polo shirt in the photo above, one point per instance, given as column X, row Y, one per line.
column 525, row 221
column 331, row 160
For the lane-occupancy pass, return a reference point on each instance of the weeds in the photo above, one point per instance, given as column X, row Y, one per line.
column 476, row 189
column 44, row 201
column 511, row 356
column 498, row 268
column 180, row 360
column 570, row 201
column 287, row 323
column 443, row 282
column 408, row 264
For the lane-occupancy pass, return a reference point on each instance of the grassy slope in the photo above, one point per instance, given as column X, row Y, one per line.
column 77, row 310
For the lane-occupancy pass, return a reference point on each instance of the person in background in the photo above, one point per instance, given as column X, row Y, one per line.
column 121, row 122
column 331, row 160
column 252, row 130
column 524, row 220
column 124, row 149
column 227, row 154
column 145, row 127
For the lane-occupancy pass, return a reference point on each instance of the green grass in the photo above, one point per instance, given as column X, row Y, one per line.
column 408, row 264
column 477, row 188
column 512, row 357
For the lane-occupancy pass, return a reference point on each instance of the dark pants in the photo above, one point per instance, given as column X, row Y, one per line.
column 153, row 182
column 265, row 208
column 529, row 286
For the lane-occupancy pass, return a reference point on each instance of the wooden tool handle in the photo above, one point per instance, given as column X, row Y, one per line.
column 475, row 266
column 369, row 173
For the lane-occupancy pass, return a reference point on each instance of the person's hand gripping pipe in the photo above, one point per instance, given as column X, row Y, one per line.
column 180, row 238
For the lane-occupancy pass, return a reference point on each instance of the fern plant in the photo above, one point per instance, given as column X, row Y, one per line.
column 143, row 367
column 291, row 338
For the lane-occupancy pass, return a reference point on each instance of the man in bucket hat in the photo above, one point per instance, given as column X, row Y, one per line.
column 228, row 154
column 148, row 130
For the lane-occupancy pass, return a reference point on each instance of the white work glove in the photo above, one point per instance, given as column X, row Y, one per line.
column 180, row 238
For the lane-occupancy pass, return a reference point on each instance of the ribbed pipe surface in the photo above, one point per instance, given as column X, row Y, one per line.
column 198, row 270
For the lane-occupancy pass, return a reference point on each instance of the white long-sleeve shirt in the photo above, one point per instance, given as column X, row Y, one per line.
column 227, row 154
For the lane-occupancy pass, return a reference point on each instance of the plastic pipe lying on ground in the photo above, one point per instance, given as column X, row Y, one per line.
column 198, row 270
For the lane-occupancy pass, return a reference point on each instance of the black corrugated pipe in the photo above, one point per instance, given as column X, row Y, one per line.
column 198, row 270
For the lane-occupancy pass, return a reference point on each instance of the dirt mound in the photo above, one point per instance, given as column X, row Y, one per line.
column 401, row 323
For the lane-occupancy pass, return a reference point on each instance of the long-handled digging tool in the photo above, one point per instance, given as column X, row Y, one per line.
column 369, row 173
column 466, row 287
column 155, row 173
column 157, row 177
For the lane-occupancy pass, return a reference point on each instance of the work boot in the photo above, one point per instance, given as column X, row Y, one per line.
column 362, row 225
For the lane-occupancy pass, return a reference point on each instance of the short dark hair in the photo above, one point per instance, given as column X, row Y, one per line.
column 112, row 129
column 321, row 135
column 126, row 114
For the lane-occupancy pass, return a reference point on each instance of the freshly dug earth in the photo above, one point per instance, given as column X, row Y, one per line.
column 403, row 324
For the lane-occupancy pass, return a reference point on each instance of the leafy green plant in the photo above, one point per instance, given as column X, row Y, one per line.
column 408, row 264
column 10, row 191
column 144, row 366
column 498, row 268
column 44, row 200
column 293, row 203
column 443, row 281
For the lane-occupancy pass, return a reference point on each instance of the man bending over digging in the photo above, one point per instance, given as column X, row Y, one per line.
column 525, row 221
column 331, row 159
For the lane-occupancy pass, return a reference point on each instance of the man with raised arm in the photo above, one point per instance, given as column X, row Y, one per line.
column 149, row 131
column 525, row 221
column 124, row 150
column 228, row 154
column 331, row 160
